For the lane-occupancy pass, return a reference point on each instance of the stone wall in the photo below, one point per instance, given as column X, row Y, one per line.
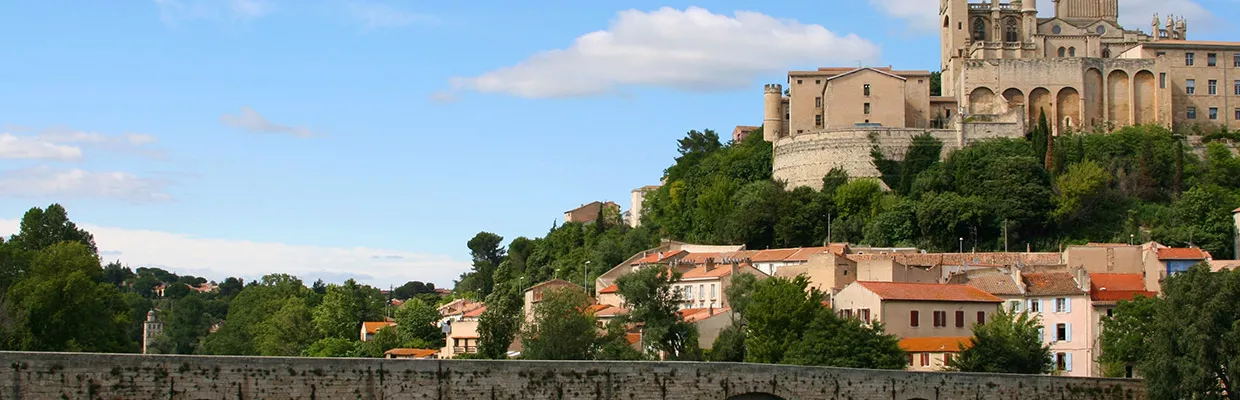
column 30, row 376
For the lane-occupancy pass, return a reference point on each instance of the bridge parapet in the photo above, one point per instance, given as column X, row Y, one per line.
column 31, row 376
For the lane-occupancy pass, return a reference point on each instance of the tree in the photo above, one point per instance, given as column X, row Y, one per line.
column 777, row 317
column 1195, row 340
column 185, row 325
column 487, row 255
column 1008, row 343
column 385, row 339
column 332, row 347
column 41, row 228
column 560, row 330
column 418, row 325
column 936, row 83
column 1125, row 335
column 729, row 346
column 411, row 289
column 653, row 305
column 1081, row 191
column 244, row 325
column 345, row 307
column 231, row 287
column 498, row 326
column 289, row 331
column 63, row 306
column 846, row 343
column 1040, row 136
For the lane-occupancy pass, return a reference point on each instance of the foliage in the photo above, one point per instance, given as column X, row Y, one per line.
column 333, row 347
column 487, row 254
column 1008, row 343
column 500, row 323
column 653, row 305
column 560, row 329
column 847, row 343
column 289, row 331
column 1194, row 342
column 418, row 325
column 777, row 317
column 1125, row 335
column 345, row 307
column 184, row 325
column 411, row 289
column 244, row 325
column 729, row 346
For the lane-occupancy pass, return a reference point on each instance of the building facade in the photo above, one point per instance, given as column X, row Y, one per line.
column 1065, row 312
column 910, row 310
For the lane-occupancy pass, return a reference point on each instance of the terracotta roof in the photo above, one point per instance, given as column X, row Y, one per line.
column 719, row 271
column 1171, row 253
column 608, row 311
column 415, row 353
column 1051, row 284
column 928, row 292
column 632, row 338
column 935, row 259
column 937, row 344
column 1116, row 287
column 374, row 327
column 993, row 282
column 658, row 256
column 700, row 258
column 554, row 282
column 698, row 314
column 477, row 312
column 610, row 289
column 772, row 255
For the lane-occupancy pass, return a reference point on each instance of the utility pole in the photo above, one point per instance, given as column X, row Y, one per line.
column 828, row 227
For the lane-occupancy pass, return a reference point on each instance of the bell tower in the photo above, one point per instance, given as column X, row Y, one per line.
column 953, row 21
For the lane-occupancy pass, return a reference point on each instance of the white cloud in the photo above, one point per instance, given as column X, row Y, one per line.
column 922, row 15
column 31, row 148
column 692, row 49
column 65, row 139
column 217, row 259
column 171, row 11
column 251, row 121
column 44, row 181
column 379, row 15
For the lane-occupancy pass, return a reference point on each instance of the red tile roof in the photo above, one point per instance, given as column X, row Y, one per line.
column 415, row 353
column 374, row 327
column 938, row 344
column 1116, row 287
column 477, row 312
column 632, row 338
column 610, row 289
column 658, row 256
column 1170, row 253
column 698, row 314
column 1051, row 284
column 929, row 292
column 773, row 255
column 1235, row 211
column 555, row 282
column 719, row 271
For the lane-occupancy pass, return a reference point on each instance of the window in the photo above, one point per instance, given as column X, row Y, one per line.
column 1188, row 59
column 925, row 359
column 712, row 291
column 910, row 359
column 1061, row 361
column 914, row 319
column 1041, row 333
column 1061, row 332
column 979, row 29
column 817, row 102
column 1162, row 80
column 1061, row 305
column 940, row 319
column 867, row 108
column 1191, row 113
column 1235, row 60
column 1160, row 53
column 818, row 81
column 1063, row 51
column 1110, row 312
column 1010, row 32
column 866, row 89
column 818, row 120
column 1014, row 306
column 689, row 292
column 1190, row 86
column 1237, row 88
column 1106, row 53
column 1101, row 29
column 701, row 292
column 960, row 319
column 864, row 315
column 1238, row 114
column 1056, row 29
column 1035, row 306
column 1211, row 59
column 947, row 358
column 1213, row 112
column 848, row 314
column 1072, row 52
column 981, row 317
column 798, row 81
column 1212, row 86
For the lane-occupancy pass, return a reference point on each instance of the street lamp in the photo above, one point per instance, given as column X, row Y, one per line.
column 556, row 275
column 962, row 245
column 585, row 278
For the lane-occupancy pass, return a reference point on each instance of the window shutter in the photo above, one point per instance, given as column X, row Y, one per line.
column 1042, row 305
column 1041, row 333
column 913, row 319
column 1067, row 327
column 960, row 319
column 1067, row 362
column 1067, row 304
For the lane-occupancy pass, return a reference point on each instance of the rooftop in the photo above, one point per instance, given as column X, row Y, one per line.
column 415, row 353
column 991, row 281
column 938, row 344
column 928, row 292
column 1051, row 284
column 1171, row 253
column 553, row 283
column 610, row 289
column 374, row 327
column 1116, row 287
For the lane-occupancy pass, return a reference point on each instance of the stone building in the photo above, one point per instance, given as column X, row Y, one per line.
column 151, row 328
column 591, row 211
column 1002, row 68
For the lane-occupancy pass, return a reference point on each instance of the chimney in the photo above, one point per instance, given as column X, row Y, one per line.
column 710, row 264
column 734, row 266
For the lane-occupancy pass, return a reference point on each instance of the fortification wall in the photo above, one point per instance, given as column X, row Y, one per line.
column 31, row 376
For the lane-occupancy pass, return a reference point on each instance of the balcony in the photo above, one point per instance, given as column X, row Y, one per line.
column 464, row 349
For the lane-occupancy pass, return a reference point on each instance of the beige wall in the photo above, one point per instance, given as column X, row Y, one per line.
column 845, row 100
column 827, row 272
column 465, row 334
column 887, row 270
column 1224, row 73
column 938, row 361
column 1105, row 259
column 895, row 315
column 709, row 328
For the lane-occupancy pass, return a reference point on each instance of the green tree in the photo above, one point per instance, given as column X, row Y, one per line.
column 418, row 325
column 1195, row 340
column 289, row 331
column 332, row 347
column 244, row 325
column 487, row 254
column 185, row 324
column 729, row 346
column 42, row 228
column 1125, row 335
column 1040, row 136
column 653, row 305
column 63, row 306
column 345, row 307
column 777, row 317
column 560, row 330
column 500, row 323
column 847, row 343
column 1008, row 343
column 1081, row 191
column 385, row 339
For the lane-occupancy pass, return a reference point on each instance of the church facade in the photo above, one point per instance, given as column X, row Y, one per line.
column 1003, row 67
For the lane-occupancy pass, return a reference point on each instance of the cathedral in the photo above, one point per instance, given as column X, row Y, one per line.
column 1003, row 67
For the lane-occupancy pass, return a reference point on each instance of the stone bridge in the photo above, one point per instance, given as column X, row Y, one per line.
column 30, row 376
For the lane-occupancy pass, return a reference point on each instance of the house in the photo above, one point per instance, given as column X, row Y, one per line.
column 741, row 132
column 412, row 354
column 1176, row 260
column 370, row 329
column 1003, row 282
column 709, row 322
column 933, row 353
column 591, row 211
column 604, row 314
column 1105, row 292
column 827, row 271
column 711, row 281
column 461, row 335
column 910, row 310
column 1066, row 313
column 534, row 294
column 454, row 309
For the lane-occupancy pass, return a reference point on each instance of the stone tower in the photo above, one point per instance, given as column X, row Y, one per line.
column 150, row 329
column 1107, row 10
column 954, row 34
column 773, row 117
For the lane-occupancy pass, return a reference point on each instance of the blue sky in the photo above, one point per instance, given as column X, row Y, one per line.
column 338, row 138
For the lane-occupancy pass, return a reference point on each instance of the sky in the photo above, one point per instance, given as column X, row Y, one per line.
column 371, row 139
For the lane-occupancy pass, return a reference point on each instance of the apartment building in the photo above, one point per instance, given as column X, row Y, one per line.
column 910, row 310
column 1065, row 313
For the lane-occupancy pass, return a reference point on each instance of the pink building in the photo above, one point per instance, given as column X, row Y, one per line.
column 1066, row 316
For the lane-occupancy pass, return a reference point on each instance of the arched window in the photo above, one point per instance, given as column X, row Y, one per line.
column 1106, row 53
column 979, row 29
column 947, row 22
column 1062, row 51
column 1071, row 52
column 1010, row 32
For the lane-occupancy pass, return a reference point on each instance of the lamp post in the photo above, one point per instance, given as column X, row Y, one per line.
column 556, row 275
column 585, row 278
column 962, row 245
